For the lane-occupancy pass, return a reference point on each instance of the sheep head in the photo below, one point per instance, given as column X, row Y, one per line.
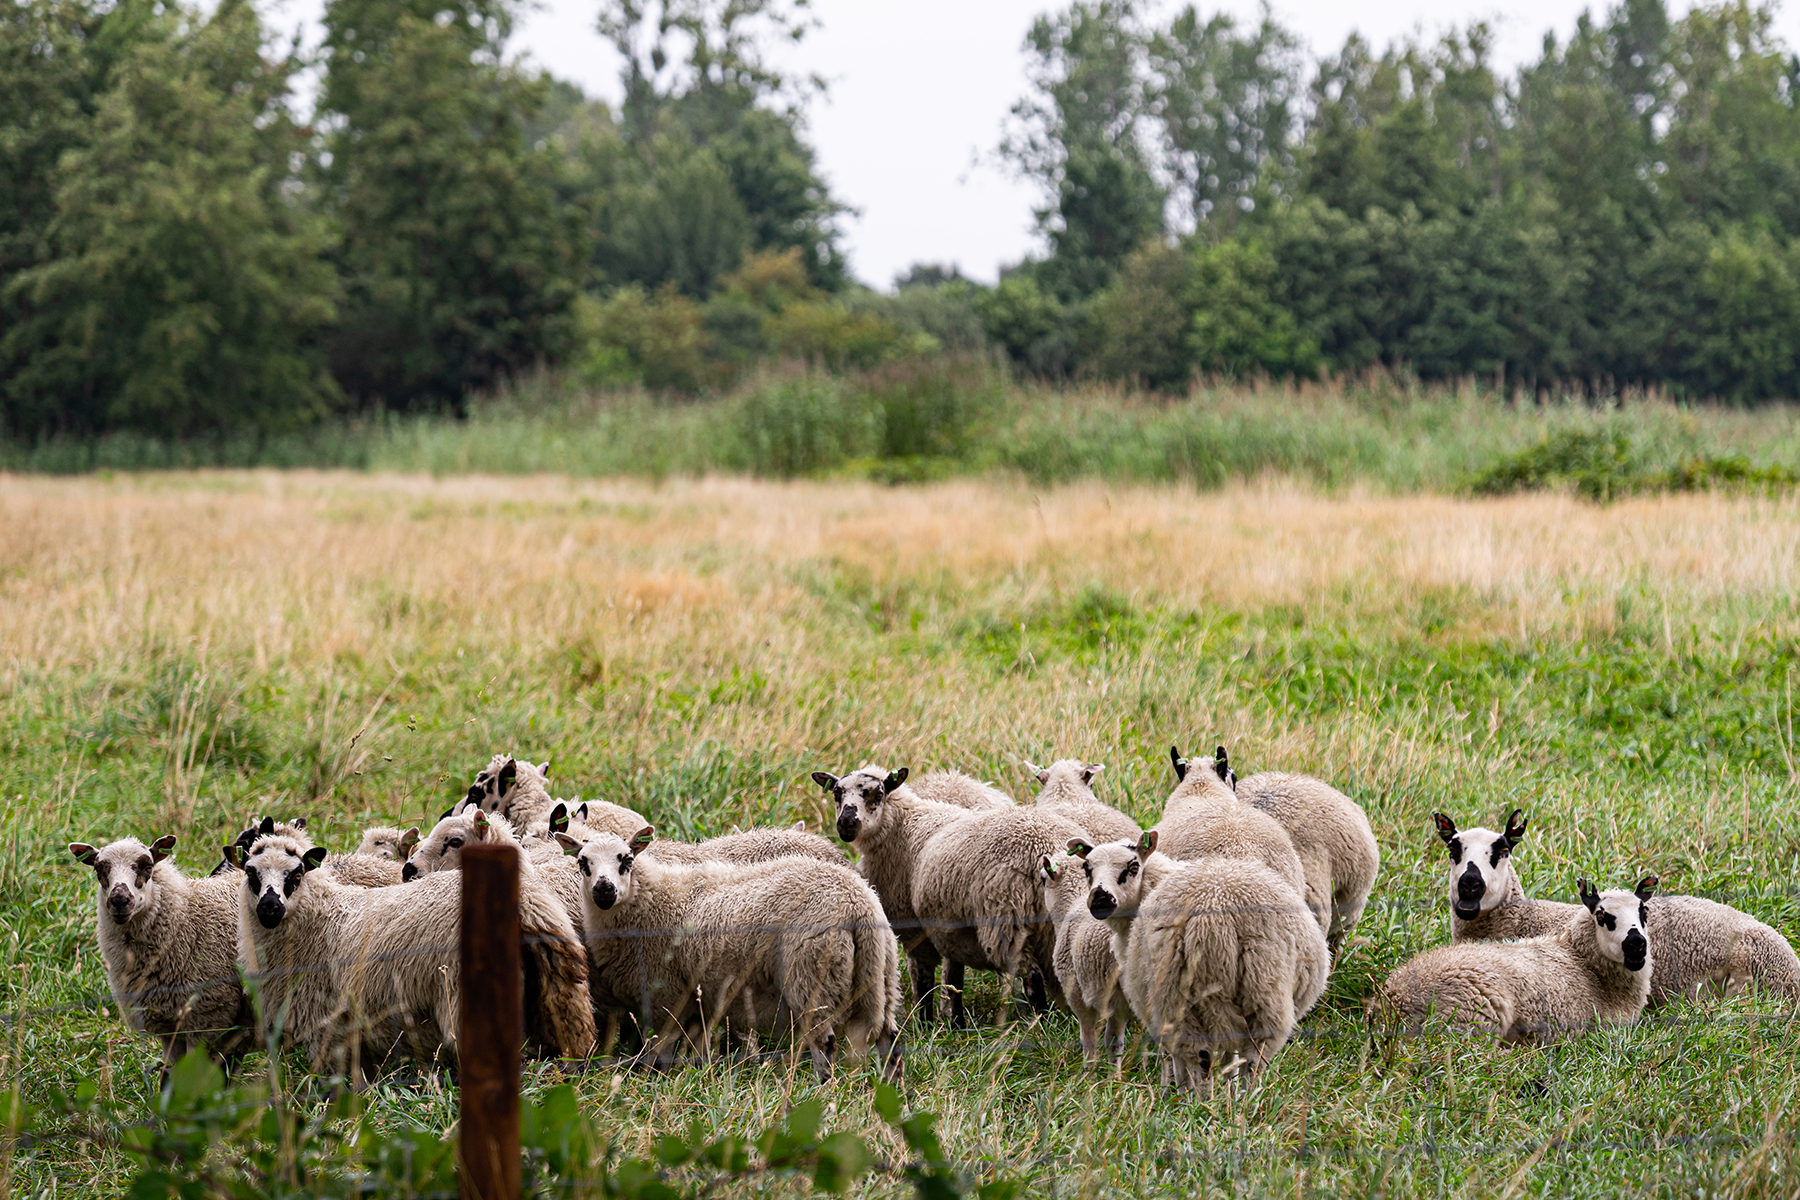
column 1481, row 869
column 273, row 870
column 125, row 872
column 861, row 798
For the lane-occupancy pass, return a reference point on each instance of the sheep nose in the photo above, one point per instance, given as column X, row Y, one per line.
column 409, row 872
column 1102, row 905
column 270, row 910
column 849, row 824
column 605, row 894
column 1471, row 885
column 1636, row 948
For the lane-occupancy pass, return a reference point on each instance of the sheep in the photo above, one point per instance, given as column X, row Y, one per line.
column 358, row 868
column 1331, row 834
column 169, row 945
column 1066, row 789
column 787, row 944
column 254, row 830
column 558, row 1015
column 1084, row 962
column 517, row 790
column 1701, row 945
column 964, row 791
column 350, row 974
column 1597, row 969
column 386, row 842
column 1204, row 818
column 1219, row 958
column 958, row 884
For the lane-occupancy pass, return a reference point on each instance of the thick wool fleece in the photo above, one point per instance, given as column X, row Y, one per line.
column 1528, row 991
column 1205, row 819
column 1220, row 961
column 792, row 945
column 1330, row 832
column 964, row 791
column 172, row 967
column 1066, row 791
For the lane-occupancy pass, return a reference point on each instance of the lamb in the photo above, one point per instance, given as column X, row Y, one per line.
column 1066, row 788
column 960, row 884
column 1596, row 969
column 1204, row 818
column 350, row 974
column 1084, row 962
column 169, row 945
column 386, row 842
column 559, row 1018
column 1331, row 834
column 1701, row 945
column 792, row 944
column 1219, row 958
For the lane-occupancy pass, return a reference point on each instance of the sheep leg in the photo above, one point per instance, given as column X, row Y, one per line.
column 1037, row 993
column 887, row 1046
column 824, row 1051
column 924, row 959
column 953, row 985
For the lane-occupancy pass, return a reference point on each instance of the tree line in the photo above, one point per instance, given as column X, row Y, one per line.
column 183, row 250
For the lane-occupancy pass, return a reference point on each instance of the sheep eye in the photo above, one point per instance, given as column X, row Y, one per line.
column 586, row 868
column 255, row 878
column 625, row 862
column 455, row 843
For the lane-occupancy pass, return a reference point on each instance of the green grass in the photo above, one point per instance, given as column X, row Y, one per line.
column 1658, row 739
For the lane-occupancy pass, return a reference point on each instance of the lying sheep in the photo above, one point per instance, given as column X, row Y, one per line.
column 1204, row 818
column 1219, row 958
column 558, row 1017
column 1066, row 788
column 789, row 945
column 169, row 945
column 959, row 885
column 1331, row 834
column 1701, row 946
column 350, row 974
column 1085, row 966
column 1596, row 969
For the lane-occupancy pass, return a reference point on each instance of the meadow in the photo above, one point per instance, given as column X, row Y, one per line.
column 179, row 651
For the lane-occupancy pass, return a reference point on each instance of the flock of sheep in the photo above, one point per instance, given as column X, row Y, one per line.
column 1216, row 929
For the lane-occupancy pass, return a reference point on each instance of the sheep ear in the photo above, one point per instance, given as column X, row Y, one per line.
column 235, row 855
column 544, row 768
column 825, row 779
column 313, row 859
column 800, row 826
column 298, row 822
column 1589, row 896
column 88, row 856
column 159, row 849
column 581, row 813
column 408, row 842
column 894, row 780
column 1221, row 761
column 1090, row 770
column 570, row 845
column 1180, row 762
column 1515, row 826
column 1040, row 773
column 1079, row 848
column 559, row 818
column 1445, row 826
column 642, row 838
column 1048, row 866
column 509, row 775
column 1646, row 888
column 483, row 826
column 1147, row 844
column 267, row 826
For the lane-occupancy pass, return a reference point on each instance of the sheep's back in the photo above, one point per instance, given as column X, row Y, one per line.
column 1225, row 828
column 964, row 791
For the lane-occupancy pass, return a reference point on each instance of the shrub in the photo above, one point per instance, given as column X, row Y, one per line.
column 660, row 341
column 1141, row 320
column 804, row 423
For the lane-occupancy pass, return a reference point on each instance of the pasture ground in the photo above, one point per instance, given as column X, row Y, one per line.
column 180, row 651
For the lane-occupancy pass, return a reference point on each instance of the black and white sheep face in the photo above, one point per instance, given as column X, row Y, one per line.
column 861, row 798
column 1115, row 873
column 496, row 783
column 1481, row 869
column 124, row 871
column 273, row 871
column 1621, row 921
column 606, row 865
column 442, row 849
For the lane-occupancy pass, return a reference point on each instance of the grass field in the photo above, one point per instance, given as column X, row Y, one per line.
column 179, row 651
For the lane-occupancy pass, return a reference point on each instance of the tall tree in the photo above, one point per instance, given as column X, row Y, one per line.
column 459, row 264
column 180, row 287
column 1080, row 136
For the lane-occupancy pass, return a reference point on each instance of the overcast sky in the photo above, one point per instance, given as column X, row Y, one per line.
column 919, row 90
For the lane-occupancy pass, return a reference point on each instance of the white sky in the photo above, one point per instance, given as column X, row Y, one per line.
column 919, row 90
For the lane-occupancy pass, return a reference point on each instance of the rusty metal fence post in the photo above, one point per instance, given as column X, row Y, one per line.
column 491, row 1027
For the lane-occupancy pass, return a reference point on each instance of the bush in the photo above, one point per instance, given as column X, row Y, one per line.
column 1038, row 332
column 933, row 407
column 659, row 341
column 802, row 424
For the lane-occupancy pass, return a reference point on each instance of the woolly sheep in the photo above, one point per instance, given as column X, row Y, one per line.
column 1596, row 969
column 964, row 791
column 1066, row 789
column 792, row 944
column 1331, row 834
column 358, row 868
column 558, row 1016
column 1085, row 966
column 386, row 842
column 517, row 790
column 1219, row 958
column 1204, row 818
column 169, row 945
column 975, row 893
column 1700, row 945
column 350, row 974
column 252, row 831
